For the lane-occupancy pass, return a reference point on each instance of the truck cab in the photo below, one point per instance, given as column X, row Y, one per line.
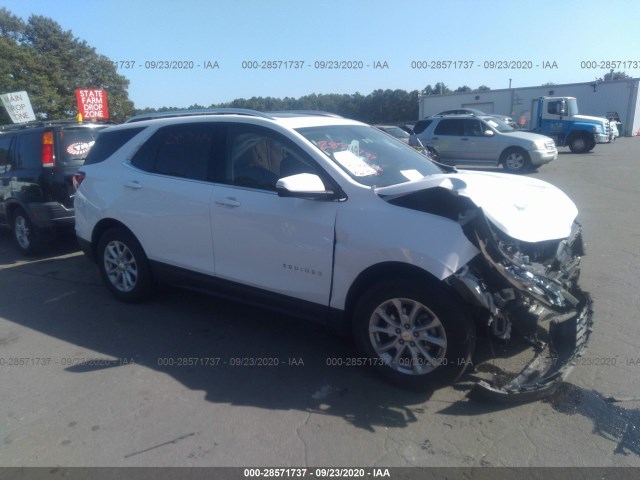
column 558, row 118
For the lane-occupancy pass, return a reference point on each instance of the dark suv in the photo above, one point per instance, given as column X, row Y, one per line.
column 37, row 164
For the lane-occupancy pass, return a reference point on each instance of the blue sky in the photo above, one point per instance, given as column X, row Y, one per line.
column 564, row 33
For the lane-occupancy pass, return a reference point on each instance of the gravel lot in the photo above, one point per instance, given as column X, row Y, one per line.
column 97, row 388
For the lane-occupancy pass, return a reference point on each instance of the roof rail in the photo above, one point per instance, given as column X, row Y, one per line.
column 227, row 111
column 470, row 114
column 202, row 111
column 319, row 113
column 48, row 123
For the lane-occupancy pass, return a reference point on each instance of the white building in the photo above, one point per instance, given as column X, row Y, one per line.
column 601, row 99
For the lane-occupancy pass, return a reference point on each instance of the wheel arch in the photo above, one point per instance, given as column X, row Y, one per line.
column 383, row 272
column 577, row 133
column 10, row 208
column 101, row 227
column 510, row 148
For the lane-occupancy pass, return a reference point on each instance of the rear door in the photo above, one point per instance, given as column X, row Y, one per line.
column 164, row 195
column 448, row 138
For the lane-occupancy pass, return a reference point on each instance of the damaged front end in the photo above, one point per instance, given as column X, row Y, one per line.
column 525, row 288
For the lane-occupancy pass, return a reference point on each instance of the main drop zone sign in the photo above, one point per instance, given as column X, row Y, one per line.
column 92, row 103
column 18, row 106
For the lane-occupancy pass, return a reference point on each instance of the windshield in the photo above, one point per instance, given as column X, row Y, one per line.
column 369, row 156
column 396, row 132
column 499, row 125
column 572, row 107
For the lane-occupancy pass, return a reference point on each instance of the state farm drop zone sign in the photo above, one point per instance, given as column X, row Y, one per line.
column 92, row 104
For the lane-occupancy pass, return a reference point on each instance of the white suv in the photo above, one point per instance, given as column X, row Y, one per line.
column 336, row 221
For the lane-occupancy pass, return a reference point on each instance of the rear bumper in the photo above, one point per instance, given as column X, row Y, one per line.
column 51, row 215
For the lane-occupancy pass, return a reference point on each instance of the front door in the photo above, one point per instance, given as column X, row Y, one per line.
column 282, row 245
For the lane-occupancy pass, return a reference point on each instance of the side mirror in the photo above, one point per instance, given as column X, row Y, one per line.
column 563, row 108
column 303, row 185
column 488, row 133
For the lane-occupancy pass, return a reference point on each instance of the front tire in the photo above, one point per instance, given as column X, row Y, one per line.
column 416, row 335
column 124, row 266
column 580, row 143
column 516, row 160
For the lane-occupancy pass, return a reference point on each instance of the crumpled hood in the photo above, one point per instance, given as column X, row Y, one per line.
column 524, row 208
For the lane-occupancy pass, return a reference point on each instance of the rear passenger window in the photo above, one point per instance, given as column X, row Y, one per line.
column 29, row 153
column 183, row 151
column 450, row 126
column 108, row 142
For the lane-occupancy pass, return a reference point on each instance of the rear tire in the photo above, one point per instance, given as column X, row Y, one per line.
column 415, row 334
column 26, row 236
column 124, row 266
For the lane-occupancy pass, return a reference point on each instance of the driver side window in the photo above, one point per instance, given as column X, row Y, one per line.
column 258, row 157
column 473, row 128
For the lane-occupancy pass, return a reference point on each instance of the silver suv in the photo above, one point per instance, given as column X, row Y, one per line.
column 483, row 140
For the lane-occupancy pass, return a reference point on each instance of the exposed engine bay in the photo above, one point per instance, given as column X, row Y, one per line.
column 520, row 291
column 523, row 287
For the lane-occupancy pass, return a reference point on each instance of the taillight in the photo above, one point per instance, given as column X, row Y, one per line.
column 48, row 157
column 78, row 177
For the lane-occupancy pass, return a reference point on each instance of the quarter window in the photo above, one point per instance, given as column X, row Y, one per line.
column 108, row 142
column 421, row 126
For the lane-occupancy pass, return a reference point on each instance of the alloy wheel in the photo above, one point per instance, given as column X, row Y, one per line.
column 407, row 336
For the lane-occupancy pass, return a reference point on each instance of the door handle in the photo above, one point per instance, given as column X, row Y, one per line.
column 135, row 185
column 228, row 202
column 464, row 139
column 435, row 138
